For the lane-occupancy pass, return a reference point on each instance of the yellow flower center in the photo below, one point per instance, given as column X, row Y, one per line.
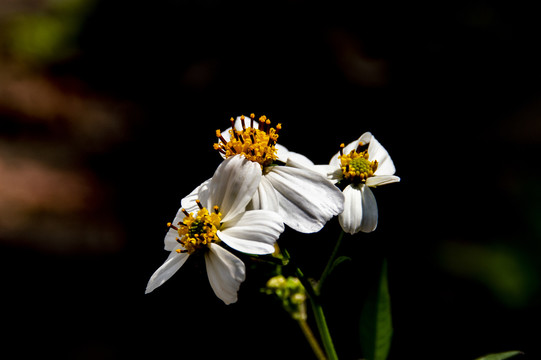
column 255, row 144
column 197, row 232
column 355, row 166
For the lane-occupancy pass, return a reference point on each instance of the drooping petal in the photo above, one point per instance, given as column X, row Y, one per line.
column 360, row 210
column 370, row 211
column 164, row 272
column 379, row 180
column 307, row 199
column 225, row 272
column 233, row 186
column 265, row 197
column 350, row 219
column 252, row 232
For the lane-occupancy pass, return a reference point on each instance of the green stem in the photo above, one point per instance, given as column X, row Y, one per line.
column 323, row 330
column 309, row 335
column 330, row 263
column 318, row 312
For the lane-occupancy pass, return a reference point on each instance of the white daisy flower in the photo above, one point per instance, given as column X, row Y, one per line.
column 360, row 165
column 214, row 212
column 305, row 199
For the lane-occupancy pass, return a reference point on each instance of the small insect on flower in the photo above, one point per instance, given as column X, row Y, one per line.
column 213, row 213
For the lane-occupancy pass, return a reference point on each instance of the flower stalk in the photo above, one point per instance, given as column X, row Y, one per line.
column 317, row 309
column 309, row 335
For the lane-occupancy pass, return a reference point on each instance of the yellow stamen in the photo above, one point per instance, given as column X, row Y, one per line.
column 199, row 231
column 254, row 143
column 356, row 167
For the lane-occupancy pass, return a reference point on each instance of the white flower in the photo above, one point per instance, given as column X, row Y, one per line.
column 216, row 211
column 305, row 199
column 360, row 168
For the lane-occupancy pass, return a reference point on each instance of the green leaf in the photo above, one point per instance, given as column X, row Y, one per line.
column 500, row 356
column 376, row 327
column 338, row 261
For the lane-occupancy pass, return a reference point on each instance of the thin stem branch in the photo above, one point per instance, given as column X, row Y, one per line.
column 309, row 335
column 330, row 263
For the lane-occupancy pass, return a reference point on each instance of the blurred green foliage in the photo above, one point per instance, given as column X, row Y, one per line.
column 46, row 36
column 507, row 272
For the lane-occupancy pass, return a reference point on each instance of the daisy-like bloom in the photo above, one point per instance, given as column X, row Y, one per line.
column 360, row 165
column 305, row 199
column 215, row 212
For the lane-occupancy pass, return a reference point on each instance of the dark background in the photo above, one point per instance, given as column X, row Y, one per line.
column 108, row 111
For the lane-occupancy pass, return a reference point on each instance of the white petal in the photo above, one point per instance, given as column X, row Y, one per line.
column 366, row 138
column 302, row 162
column 170, row 240
column 265, row 197
column 360, row 210
column 225, row 272
column 189, row 204
column 252, row 232
column 164, row 272
column 307, row 200
column 332, row 174
column 379, row 180
column 335, row 162
column 233, row 185
column 298, row 160
column 370, row 211
column 172, row 234
column 282, row 152
column 377, row 152
column 350, row 219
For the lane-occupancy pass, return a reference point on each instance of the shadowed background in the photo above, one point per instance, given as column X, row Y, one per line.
column 108, row 111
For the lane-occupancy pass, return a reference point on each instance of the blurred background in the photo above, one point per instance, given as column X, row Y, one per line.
column 108, row 112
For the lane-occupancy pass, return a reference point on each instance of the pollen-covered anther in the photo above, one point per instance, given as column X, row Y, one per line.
column 356, row 167
column 170, row 225
column 255, row 142
column 198, row 230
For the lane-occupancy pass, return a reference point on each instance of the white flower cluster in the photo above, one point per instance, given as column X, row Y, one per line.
column 259, row 187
